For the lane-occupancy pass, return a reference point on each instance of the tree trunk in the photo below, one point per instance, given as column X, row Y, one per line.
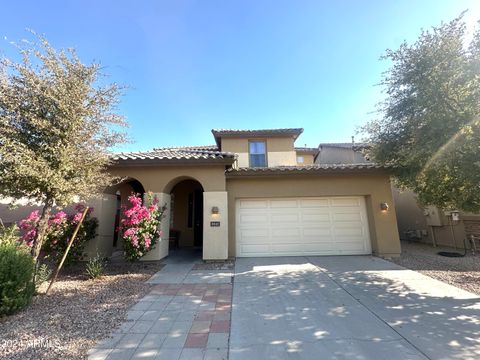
column 42, row 227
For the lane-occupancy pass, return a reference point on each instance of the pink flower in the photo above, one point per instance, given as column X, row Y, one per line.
column 77, row 217
column 135, row 200
column 34, row 216
column 130, row 231
column 134, row 240
column 148, row 241
column 29, row 236
column 139, row 225
column 57, row 219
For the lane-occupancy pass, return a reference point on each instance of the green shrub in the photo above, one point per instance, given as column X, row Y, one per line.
column 95, row 267
column 16, row 272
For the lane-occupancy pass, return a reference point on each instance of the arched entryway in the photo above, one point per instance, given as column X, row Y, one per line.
column 186, row 216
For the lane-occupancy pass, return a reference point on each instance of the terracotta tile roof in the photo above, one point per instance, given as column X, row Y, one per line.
column 316, row 168
column 209, row 152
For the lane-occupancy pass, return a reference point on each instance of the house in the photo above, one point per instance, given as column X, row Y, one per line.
column 253, row 193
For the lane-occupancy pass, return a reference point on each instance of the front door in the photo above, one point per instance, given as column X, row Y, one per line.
column 198, row 218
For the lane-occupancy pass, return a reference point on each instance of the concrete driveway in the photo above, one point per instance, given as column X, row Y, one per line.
column 350, row 307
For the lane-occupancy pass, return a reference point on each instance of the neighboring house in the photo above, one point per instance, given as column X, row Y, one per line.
column 253, row 193
column 431, row 224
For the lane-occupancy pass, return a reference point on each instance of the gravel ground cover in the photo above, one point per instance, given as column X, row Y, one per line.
column 461, row 272
column 76, row 314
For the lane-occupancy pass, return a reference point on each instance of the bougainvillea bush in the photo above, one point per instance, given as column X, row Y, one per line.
column 140, row 225
column 60, row 229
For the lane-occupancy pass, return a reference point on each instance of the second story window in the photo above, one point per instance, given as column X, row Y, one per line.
column 258, row 155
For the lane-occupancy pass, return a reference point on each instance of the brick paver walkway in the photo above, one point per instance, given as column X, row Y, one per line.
column 174, row 321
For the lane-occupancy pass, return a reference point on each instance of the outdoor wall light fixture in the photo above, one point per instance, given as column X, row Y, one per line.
column 384, row 207
column 215, row 210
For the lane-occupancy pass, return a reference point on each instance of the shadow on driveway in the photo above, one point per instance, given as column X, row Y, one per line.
column 348, row 307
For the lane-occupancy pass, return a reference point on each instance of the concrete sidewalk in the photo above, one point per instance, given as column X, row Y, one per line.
column 186, row 315
column 352, row 307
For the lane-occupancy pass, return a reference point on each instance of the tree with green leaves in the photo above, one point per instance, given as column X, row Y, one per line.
column 429, row 128
column 58, row 121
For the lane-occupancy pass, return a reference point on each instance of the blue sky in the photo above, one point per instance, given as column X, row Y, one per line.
column 197, row 65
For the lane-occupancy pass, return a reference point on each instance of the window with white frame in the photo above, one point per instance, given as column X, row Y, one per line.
column 258, row 155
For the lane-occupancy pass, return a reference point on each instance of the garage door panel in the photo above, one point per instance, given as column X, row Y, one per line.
column 315, row 218
column 253, row 204
column 255, row 249
column 345, row 201
column 287, row 249
column 284, row 218
column 315, row 215
column 289, row 232
column 348, row 232
column 350, row 247
column 320, row 241
column 288, row 204
column 253, row 219
column 302, row 226
column 319, row 232
column 254, row 232
column 313, row 203
column 347, row 217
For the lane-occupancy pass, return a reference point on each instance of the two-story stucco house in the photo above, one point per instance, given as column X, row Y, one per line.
column 254, row 193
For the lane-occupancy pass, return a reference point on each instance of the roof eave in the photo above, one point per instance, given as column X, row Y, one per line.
column 218, row 134
column 289, row 172
column 171, row 162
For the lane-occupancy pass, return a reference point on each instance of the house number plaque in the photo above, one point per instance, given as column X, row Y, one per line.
column 214, row 223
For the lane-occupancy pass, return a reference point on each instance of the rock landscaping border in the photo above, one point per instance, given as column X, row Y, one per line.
column 76, row 314
column 462, row 272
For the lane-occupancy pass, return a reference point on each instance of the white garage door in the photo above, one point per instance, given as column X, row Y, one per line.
column 302, row 226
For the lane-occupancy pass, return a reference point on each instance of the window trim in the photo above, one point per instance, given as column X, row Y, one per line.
column 266, row 151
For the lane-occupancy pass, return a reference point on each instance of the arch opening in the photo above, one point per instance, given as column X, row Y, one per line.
column 186, row 216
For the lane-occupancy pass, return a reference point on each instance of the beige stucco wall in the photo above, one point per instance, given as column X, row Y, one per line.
column 161, row 180
column 307, row 159
column 164, row 178
column 280, row 150
column 375, row 188
column 411, row 217
column 105, row 207
column 338, row 155
column 9, row 216
column 215, row 238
